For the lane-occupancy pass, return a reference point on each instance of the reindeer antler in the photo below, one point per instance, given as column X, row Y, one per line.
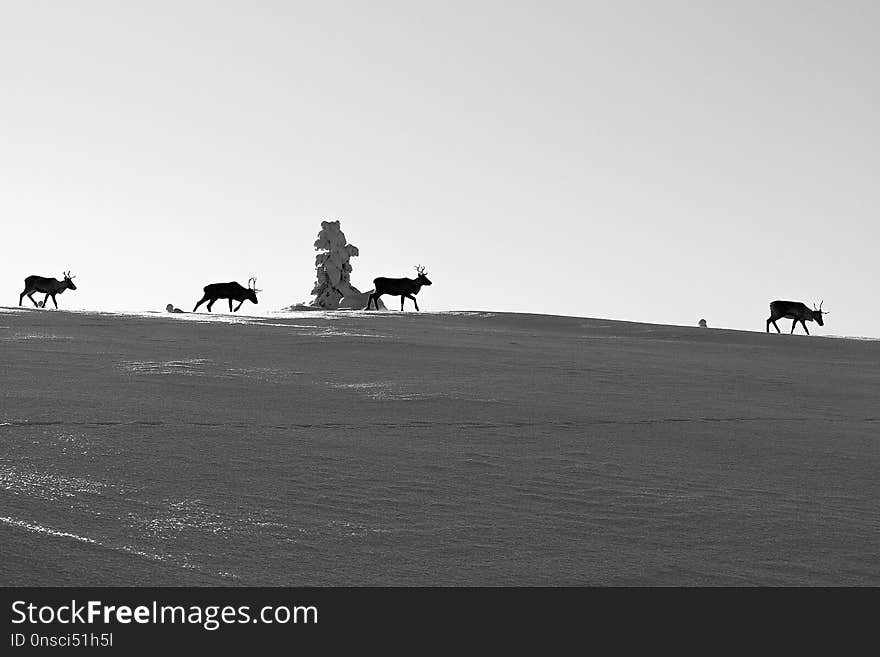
column 420, row 269
column 252, row 284
column 819, row 309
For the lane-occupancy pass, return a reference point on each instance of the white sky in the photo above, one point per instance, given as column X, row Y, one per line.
column 656, row 161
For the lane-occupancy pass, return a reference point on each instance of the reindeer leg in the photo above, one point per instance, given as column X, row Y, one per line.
column 409, row 296
column 793, row 324
column 230, row 304
column 804, row 324
column 31, row 297
column 369, row 301
column 211, row 303
column 237, row 307
column 776, row 326
column 201, row 301
column 53, row 301
column 402, row 297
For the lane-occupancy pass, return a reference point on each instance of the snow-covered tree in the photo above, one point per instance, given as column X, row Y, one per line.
column 333, row 288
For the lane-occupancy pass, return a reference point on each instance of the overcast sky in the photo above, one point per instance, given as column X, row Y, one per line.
column 655, row 161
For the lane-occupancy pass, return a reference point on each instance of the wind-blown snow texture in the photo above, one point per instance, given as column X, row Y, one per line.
column 471, row 448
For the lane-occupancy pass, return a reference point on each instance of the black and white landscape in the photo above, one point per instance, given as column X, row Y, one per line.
column 411, row 292
column 432, row 448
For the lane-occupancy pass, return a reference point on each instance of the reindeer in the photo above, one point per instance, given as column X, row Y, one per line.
column 797, row 311
column 49, row 286
column 405, row 288
column 232, row 291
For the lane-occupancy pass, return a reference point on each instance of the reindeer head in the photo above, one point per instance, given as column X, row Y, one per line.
column 818, row 312
column 422, row 278
column 69, row 280
column 252, row 289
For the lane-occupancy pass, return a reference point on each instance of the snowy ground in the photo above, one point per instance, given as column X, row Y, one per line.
column 454, row 448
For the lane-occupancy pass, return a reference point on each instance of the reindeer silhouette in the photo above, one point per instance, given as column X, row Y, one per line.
column 797, row 311
column 232, row 291
column 405, row 288
column 49, row 286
